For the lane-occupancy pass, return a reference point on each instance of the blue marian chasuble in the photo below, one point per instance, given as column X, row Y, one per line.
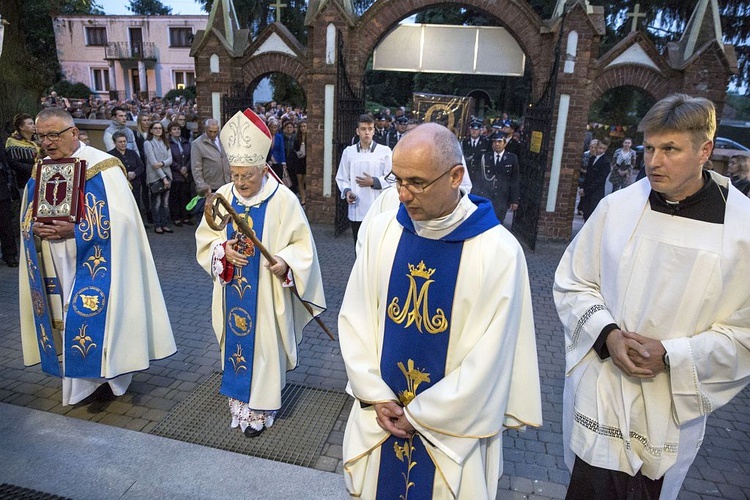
column 83, row 335
column 241, row 306
column 416, row 336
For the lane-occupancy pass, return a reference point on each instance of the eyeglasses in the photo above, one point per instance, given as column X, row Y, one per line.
column 53, row 136
column 418, row 187
column 242, row 177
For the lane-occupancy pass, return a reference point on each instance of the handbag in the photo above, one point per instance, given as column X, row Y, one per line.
column 157, row 187
column 286, row 179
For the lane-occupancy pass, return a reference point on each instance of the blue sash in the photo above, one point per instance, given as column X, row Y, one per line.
column 415, row 346
column 416, row 335
column 241, row 306
column 83, row 337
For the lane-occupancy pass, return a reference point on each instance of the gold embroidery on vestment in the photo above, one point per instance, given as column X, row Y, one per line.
column 416, row 307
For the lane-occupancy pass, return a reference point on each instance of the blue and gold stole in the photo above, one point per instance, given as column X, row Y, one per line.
column 416, row 337
column 83, row 336
column 241, row 309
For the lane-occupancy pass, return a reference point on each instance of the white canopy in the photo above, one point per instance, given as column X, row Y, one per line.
column 436, row 48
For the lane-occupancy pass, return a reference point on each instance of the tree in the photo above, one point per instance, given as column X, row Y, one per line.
column 256, row 15
column 149, row 8
column 666, row 20
column 29, row 65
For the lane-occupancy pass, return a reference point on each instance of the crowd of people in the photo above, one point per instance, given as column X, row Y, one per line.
column 651, row 293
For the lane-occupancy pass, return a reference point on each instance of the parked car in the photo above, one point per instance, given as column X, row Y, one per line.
column 724, row 143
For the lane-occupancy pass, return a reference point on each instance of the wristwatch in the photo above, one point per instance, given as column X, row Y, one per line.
column 665, row 360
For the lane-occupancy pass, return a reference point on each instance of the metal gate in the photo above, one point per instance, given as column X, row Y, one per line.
column 533, row 159
column 349, row 105
column 239, row 99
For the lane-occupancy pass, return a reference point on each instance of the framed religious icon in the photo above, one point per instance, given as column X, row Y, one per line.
column 449, row 110
column 59, row 190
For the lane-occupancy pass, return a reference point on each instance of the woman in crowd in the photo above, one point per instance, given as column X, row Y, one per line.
column 623, row 163
column 180, row 175
column 21, row 149
column 287, row 132
column 738, row 170
column 300, row 160
column 276, row 156
column 159, row 175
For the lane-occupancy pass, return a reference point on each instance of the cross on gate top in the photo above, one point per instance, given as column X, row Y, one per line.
column 635, row 15
column 278, row 6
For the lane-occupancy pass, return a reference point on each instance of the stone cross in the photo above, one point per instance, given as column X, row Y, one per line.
column 635, row 15
column 278, row 6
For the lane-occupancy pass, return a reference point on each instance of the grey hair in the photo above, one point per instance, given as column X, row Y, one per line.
column 211, row 121
column 49, row 113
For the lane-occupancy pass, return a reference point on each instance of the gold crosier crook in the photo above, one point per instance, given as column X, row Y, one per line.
column 212, row 213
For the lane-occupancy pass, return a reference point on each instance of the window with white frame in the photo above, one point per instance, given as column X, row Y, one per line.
column 184, row 79
column 100, row 79
column 96, row 35
column 180, row 37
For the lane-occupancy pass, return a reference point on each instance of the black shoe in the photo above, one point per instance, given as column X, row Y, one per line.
column 251, row 433
column 167, row 230
column 188, row 222
column 177, row 223
column 11, row 262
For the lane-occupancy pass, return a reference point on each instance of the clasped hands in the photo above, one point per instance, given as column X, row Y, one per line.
column 636, row 355
column 391, row 418
column 238, row 259
column 56, row 230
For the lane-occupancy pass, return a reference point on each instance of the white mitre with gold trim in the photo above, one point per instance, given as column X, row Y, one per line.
column 246, row 140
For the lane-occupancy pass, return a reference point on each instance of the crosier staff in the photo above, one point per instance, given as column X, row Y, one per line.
column 211, row 210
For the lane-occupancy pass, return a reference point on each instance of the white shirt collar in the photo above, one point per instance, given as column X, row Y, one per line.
column 437, row 228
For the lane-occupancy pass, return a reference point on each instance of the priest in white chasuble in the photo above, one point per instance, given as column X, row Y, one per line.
column 437, row 334
column 655, row 301
column 92, row 310
column 257, row 320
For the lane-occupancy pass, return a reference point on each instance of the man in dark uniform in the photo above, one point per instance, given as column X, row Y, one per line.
column 474, row 147
column 500, row 177
column 381, row 130
column 400, row 130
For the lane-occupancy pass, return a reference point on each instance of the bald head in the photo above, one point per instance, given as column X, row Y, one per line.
column 428, row 159
column 435, row 141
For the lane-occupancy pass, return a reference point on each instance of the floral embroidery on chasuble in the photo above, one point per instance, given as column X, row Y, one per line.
column 415, row 347
column 84, row 327
column 241, row 309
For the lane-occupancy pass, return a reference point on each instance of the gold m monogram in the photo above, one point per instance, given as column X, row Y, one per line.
column 416, row 308
column 95, row 220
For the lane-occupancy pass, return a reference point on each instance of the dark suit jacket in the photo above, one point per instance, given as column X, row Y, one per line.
column 593, row 184
column 500, row 183
column 473, row 156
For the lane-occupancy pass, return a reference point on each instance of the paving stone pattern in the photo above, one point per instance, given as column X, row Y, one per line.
column 534, row 467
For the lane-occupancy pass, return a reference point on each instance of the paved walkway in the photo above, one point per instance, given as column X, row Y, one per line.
column 533, row 460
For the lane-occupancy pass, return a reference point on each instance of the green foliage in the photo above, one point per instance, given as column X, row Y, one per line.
column 286, row 90
column 149, row 8
column 188, row 93
column 29, row 65
column 666, row 20
column 741, row 103
column 256, row 15
column 72, row 90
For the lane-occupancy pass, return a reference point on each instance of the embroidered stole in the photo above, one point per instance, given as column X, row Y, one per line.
column 241, row 309
column 415, row 347
column 83, row 335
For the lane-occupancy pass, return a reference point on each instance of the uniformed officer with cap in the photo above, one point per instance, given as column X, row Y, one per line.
column 500, row 177
column 474, row 148
column 381, row 130
column 400, row 130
